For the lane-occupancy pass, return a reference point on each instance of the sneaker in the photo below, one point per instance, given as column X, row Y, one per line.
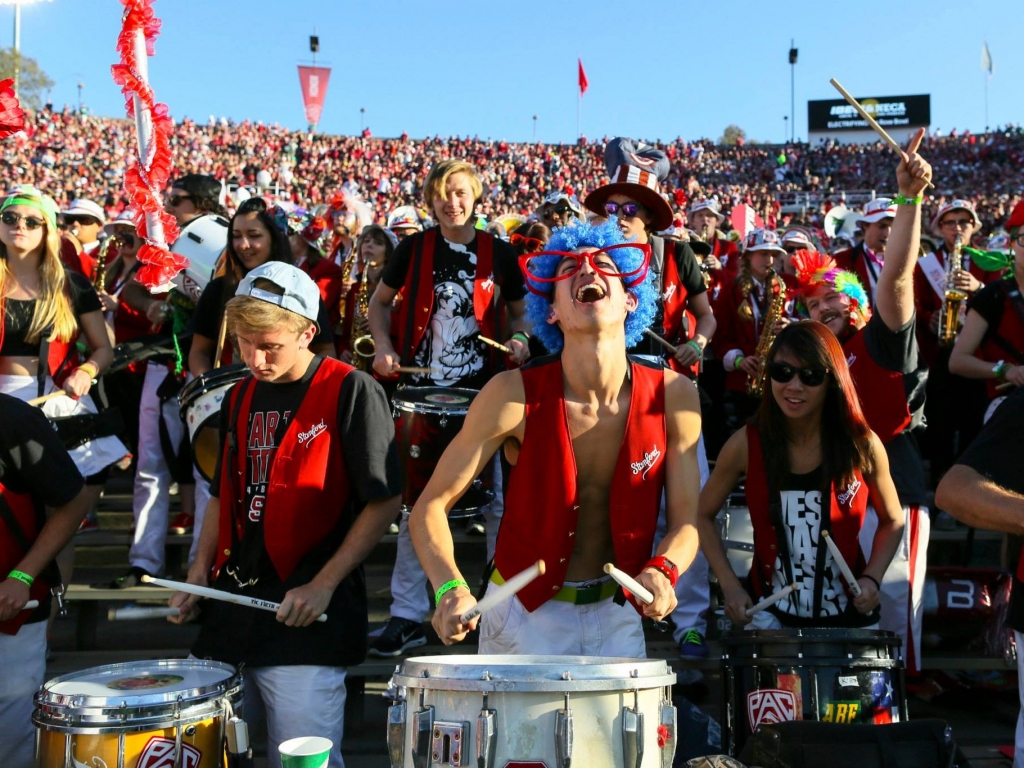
column 393, row 529
column 692, row 645
column 89, row 525
column 131, row 579
column 398, row 636
column 181, row 524
column 475, row 526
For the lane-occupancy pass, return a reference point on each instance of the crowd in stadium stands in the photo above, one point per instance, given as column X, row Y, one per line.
column 69, row 154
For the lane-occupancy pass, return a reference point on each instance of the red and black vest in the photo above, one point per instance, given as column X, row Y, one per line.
column 846, row 513
column 678, row 322
column 542, row 501
column 416, row 303
column 1006, row 340
column 881, row 391
column 307, row 486
column 29, row 519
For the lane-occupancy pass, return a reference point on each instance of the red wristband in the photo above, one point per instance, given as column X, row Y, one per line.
column 666, row 567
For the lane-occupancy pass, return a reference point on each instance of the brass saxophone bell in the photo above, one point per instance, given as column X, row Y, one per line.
column 364, row 346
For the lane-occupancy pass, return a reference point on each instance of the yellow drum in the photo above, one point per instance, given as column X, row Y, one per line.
column 146, row 714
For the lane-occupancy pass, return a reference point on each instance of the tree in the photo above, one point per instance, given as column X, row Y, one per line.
column 33, row 83
column 733, row 134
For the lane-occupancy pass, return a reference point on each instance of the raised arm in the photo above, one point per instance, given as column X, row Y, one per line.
column 496, row 414
column 894, row 295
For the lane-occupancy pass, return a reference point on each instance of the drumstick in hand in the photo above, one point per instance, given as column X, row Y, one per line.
column 496, row 344
column 664, row 342
column 217, row 594
column 772, row 600
column 841, row 562
column 639, row 591
column 506, row 591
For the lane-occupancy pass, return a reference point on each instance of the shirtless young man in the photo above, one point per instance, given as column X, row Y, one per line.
column 595, row 437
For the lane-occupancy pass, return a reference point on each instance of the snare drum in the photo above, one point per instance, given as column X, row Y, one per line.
column 532, row 710
column 827, row 675
column 426, row 421
column 200, row 401
column 145, row 713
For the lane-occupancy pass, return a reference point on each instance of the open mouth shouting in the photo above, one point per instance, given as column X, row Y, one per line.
column 589, row 293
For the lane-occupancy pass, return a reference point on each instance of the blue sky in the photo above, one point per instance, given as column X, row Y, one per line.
column 679, row 69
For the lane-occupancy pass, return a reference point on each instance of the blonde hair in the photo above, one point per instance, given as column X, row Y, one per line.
column 53, row 306
column 437, row 180
column 248, row 314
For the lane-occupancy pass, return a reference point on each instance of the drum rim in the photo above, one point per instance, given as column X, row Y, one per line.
column 200, row 383
column 427, row 673
column 790, row 635
column 411, row 406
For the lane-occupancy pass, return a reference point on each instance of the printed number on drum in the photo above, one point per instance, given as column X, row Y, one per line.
column 841, row 712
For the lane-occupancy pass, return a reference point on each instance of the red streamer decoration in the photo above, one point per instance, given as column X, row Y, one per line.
column 12, row 117
column 144, row 181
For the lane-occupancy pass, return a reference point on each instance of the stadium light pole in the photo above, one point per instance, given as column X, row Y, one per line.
column 534, row 129
column 17, row 35
column 792, row 89
column 362, row 116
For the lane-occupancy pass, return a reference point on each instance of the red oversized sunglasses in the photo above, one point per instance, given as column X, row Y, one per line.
column 601, row 261
column 528, row 244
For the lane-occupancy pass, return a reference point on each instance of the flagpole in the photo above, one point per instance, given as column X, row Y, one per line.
column 986, row 101
column 579, row 109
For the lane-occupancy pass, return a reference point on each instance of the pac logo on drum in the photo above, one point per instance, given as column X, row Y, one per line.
column 770, row 705
column 159, row 753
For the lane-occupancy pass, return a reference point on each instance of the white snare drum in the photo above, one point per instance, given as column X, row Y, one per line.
column 737, row 535
column 492, row 711
column 145, row 713
column 200, row 402
column 201, row 241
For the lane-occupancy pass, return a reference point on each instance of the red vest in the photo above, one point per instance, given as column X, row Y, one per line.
column 307, row 485
column 1005, row 341
column 24, row 508
column 881, row 391
column 847, row 517
column 416, row 305
column 679, row 323
column 542, row 501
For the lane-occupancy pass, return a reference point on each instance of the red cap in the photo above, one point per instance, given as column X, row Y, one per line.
column 1017, row 217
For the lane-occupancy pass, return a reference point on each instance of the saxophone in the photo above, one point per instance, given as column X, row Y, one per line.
column 361, row 342
column 952, row 298
column 755, row 384
column 705, row 270
column 346, row 272
column 99, row 279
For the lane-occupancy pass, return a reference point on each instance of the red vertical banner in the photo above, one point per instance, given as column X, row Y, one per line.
column 583, row 82
column 314, row 90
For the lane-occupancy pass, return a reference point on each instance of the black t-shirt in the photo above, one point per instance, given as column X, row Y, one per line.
column 33, row 460
column 898, row 351
column 210, row 309
column 366, row 429
column 990, row 302
column 996, row 454
column 450, row 346
column 18, row 315
column 690, row 278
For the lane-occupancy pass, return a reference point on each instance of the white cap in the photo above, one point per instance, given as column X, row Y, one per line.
column 957, row 204
column 876, row 210
column 405, row 217
column 125, row 218
column 707, row 205
column 796, row 237
column 83, row 207
column 301, row 295
column 762, row 240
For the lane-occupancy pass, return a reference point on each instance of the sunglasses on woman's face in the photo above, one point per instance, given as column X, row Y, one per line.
column 176, row 200
column 11, row 219
column 811, row 376
column 528, row 244
column 627, row 209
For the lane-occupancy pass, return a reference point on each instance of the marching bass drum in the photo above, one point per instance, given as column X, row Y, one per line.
column 201, row 241
column 199, row 402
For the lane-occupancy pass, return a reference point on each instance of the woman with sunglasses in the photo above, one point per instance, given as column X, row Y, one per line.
column 812, row 465
column 255, row 237
column 991, row 344
column 530, row 237
column 45, row 309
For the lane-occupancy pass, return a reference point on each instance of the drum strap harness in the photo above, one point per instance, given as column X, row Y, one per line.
column 232, row 462
column 417, row 260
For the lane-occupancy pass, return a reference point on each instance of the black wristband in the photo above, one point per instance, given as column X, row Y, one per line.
column 873, row 580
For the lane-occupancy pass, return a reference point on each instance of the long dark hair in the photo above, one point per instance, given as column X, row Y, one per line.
column 280, row 248
column 845, row 435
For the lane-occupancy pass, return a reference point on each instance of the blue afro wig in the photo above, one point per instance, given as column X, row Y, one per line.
column 580, row 235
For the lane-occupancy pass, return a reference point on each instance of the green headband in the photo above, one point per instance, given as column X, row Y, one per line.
column 32, row 197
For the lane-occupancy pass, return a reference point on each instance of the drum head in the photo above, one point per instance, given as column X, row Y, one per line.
column 209, row 381
column 533, row 673
column 434, row 399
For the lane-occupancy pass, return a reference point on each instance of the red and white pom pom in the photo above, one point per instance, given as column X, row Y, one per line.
column 12, row 116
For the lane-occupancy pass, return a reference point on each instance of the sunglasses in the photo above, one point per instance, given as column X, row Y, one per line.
column 81, row 220
column 811, row 376
column 11, row 219
column 628, row 209
column 561, row 210
column 176, row 200
column 528, row 244
column 125, row 239
column 601, row 261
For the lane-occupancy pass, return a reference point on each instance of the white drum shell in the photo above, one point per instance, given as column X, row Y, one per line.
column 201, row 241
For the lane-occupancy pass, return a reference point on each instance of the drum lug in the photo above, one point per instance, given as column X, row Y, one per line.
column 563, row 736
column 632, row 735
column 448, row 744
column 486, row 738
column 444, row 418
column 423, row 725
column 667, row 733
column 396, row 734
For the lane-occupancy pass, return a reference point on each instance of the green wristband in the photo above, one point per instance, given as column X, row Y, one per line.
column 21, row 576
column 901, row 200
column 696, row 347
column 736, row 362
column 522, row 336
column 448, row 587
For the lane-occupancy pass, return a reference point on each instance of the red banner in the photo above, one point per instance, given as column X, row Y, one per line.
column 314, row 90
column 582, row 77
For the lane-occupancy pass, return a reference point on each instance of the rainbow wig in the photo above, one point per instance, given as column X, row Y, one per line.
column 814, row 269
column 580, row 235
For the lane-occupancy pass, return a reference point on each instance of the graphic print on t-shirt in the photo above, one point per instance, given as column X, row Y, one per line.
column 264, row 427
column 801, row 517
column 450, row 347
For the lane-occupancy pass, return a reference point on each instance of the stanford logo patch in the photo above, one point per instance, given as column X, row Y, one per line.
column 159, row 753
column 770, row 705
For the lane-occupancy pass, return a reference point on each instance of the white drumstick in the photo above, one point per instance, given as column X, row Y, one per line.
column 772, row 600
column 496, row 597
column 843, row 567
column 137, row 612
column 216, row 594
column 640, row 592
column 31, row 605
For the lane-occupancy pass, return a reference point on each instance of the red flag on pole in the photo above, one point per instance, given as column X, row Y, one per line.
column 314, row 90
column 582, row 78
